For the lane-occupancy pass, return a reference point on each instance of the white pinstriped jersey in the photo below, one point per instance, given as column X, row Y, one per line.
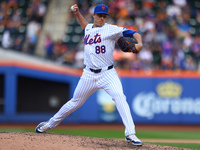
column 99, row 45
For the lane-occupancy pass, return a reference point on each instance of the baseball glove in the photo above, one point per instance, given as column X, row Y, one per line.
column 127, row 44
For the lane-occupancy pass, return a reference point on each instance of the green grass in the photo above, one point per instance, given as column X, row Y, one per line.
column 119, row 134
column 16, row 130
column 181, row 145
column 169, row 134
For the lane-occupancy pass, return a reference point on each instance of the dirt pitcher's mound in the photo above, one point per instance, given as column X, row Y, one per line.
column 51, row 141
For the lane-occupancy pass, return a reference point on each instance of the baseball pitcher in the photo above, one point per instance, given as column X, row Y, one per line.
column 99, row 72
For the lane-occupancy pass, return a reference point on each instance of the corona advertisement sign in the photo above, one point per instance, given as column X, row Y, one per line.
column 168, row 102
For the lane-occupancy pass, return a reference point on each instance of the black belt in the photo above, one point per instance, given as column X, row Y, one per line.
column 99, row 70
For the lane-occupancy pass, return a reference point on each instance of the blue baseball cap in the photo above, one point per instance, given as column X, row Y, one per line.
column 101, row 9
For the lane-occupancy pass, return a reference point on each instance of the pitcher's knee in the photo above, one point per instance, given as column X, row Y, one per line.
column 76, row 102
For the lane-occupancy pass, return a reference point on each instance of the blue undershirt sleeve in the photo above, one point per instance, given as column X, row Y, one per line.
column 129, row 33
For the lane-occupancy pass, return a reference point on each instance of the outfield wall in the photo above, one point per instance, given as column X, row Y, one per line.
column 30, row 93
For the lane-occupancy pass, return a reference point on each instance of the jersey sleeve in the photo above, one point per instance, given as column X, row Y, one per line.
column 116, row 31
column 129, row 33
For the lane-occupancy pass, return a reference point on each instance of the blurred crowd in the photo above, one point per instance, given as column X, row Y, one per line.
column 166, row 29
column 169, row 28
column 20, row 23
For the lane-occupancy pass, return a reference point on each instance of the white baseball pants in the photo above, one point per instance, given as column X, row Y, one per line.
column 88, row 84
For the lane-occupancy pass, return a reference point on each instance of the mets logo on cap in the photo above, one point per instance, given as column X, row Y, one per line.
column 101, row 9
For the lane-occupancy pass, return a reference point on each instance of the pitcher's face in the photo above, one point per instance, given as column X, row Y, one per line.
column 99, row 19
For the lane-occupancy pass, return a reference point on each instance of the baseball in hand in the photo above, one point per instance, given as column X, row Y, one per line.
column 72, row 8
